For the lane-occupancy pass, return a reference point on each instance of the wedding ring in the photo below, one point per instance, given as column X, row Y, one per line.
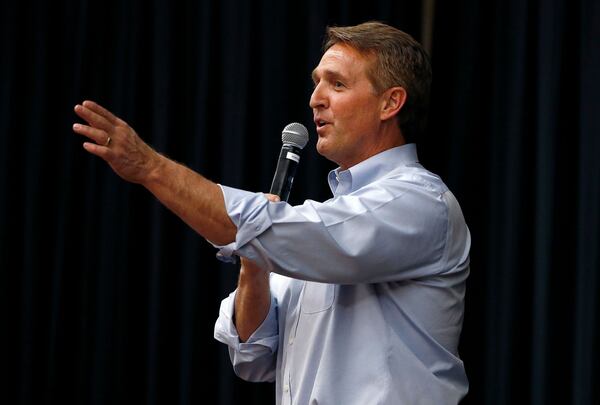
column 107, row 141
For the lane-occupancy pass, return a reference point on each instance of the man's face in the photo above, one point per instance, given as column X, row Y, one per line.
column 345, row 106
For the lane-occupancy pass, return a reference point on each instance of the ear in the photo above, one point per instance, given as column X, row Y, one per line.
column 392, row 100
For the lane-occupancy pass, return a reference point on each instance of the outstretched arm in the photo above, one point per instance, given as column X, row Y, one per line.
column 196, row 200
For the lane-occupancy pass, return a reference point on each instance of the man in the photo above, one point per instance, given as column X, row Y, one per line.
column 356, row 300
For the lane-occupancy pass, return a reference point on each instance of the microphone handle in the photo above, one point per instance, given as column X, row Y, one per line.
column 285, row 172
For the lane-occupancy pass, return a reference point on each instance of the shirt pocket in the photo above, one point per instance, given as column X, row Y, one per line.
column 317, row 297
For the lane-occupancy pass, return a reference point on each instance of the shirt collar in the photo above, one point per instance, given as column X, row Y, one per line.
column 346, row 181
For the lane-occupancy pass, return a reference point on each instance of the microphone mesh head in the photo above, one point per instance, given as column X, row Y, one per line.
column 295, row 134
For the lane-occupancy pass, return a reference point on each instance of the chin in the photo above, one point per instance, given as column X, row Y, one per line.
column 319, row 146
column 326, row 153
column 322, row 148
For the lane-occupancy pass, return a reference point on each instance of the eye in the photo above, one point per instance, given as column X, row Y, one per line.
column 338, row 85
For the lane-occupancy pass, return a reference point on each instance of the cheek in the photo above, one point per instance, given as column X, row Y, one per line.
column 345, row 113
column 358, row 121
column 361, row 111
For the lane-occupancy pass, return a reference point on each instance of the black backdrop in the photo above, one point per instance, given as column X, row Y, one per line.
column 109, row 298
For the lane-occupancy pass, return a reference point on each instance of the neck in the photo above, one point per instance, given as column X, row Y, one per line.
column 388, row 137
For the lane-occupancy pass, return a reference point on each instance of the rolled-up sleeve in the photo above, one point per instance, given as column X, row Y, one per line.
column 246, row 211
column 255, row 359
column 389, row 232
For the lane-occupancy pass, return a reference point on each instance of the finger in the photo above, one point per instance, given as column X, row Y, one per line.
column 97, row 135
column 273, row 197
column 93, row 118
column 98, row 150
column 98, row 109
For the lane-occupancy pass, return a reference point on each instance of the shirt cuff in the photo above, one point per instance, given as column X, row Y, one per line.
column 266, row 335
column 249, row 214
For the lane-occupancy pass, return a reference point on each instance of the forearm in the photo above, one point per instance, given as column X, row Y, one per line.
column 196, row 200
column 252, row 300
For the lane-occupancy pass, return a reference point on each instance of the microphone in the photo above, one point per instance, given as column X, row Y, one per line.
column 294, row 137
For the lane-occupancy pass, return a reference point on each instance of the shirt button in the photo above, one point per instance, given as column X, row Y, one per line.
column 291, row 340
column 286, row 388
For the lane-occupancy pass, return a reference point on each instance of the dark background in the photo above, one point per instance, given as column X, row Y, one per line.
column 108, row 298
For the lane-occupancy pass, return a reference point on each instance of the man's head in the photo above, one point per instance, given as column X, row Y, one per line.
column 371, row 91
column 398, row 60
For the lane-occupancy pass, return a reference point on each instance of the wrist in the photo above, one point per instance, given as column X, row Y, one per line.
column 157, row 168
column 249, row 270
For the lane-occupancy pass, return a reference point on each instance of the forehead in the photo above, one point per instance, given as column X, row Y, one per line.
column 343, row 60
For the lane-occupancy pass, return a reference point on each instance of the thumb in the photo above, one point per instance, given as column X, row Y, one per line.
column 273, row 197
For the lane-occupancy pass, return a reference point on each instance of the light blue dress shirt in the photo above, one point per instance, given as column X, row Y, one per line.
column 367, row 288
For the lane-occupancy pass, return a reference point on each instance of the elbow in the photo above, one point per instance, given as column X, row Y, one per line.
column 221, row 234
column 257, row 371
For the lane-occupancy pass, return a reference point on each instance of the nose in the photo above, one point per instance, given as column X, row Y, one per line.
column 318, row 99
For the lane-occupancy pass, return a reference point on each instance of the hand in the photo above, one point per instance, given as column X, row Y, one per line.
column 273, row 197
column 116, row 142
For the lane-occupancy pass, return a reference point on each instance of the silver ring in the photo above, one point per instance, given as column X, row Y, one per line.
column 107, row 141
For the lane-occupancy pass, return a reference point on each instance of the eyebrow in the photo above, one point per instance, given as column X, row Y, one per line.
column 327, row 73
